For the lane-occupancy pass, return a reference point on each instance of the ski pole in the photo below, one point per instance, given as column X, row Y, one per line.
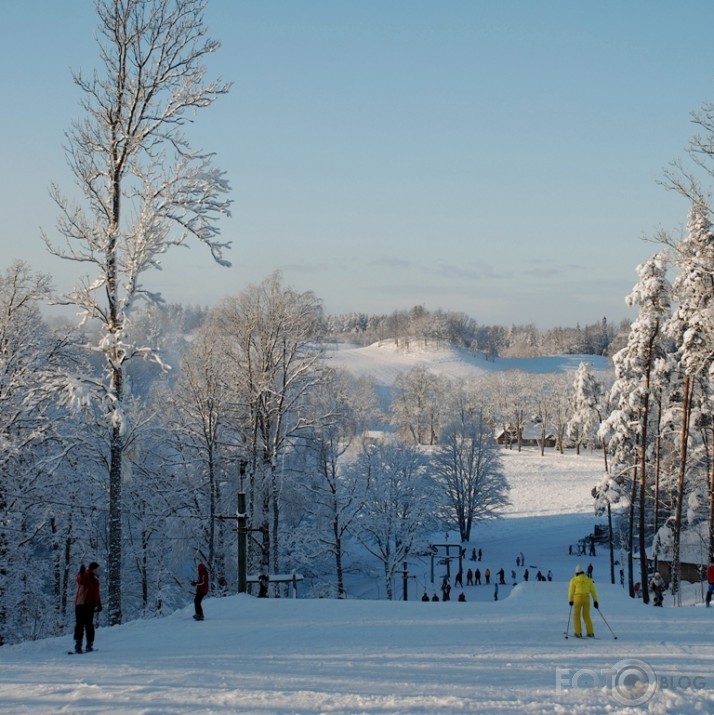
column 567, row 627
column 606, row 623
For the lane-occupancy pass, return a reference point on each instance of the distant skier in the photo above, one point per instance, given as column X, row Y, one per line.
column 201, row 584
column 425, row 597
column 658, row 587
column 502, row 577
column 710, row 581
column 445, row 589
column 579, row 591
column 263, row 581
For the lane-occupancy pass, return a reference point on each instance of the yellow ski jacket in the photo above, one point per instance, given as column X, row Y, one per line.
column 581, row 585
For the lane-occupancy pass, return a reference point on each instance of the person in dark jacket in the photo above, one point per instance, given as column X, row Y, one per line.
column 201, row 584
column 710, row 584
column 87, row 602
column 263, row 581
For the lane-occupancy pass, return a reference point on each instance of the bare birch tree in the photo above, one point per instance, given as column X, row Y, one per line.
column 144, row 190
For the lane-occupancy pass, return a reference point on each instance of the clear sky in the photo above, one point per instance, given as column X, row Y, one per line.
column 498, row 158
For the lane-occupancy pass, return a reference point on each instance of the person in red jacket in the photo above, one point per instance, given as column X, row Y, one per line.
column 710, row 581
column 201, row 584
column 87, row 601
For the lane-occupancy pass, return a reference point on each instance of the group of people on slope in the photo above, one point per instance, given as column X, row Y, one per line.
column 88, row 601
column 581, row 589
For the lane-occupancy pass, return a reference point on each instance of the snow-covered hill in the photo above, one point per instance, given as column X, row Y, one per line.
column 369, row 657
column 383, row 362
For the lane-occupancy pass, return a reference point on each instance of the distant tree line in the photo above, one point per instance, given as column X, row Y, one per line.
column 438, row 327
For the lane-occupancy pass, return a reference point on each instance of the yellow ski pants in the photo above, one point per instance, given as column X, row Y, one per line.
column 581, row 606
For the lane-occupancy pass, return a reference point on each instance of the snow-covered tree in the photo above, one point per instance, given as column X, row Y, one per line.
column 467, row 466
column 611, row 491
column 144, row 191
column 513, row 394
column 632, row 392
column 399, row 504
column 202, row 402
column 269, row 338
column 692, row 328
column 586, row 407
column 40, row 498
column 418, row 405
column 332, row 492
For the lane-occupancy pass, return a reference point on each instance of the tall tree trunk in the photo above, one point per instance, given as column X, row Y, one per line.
column 711, row 508
column 275, row 479
column 631, row 535
column 677, row 536
column 213, row 512
column 610, row 543
column 644, row 424
column 338, row 557
column 115, row 545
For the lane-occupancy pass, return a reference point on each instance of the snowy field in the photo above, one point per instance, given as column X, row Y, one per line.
column 369, row 657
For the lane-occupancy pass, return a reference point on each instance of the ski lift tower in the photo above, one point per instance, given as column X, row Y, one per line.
column 445, row 554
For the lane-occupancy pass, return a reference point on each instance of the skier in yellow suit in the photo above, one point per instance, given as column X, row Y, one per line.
column 579, row 591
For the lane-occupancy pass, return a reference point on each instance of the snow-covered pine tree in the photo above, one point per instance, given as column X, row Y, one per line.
column 586, row 406
column 692, row 328
column 632, row 392
column 608, row 493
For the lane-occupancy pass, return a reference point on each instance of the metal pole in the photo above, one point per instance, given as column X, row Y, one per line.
column 242, row 522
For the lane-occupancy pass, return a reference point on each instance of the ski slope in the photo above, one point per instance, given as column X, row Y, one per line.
column 372, row 657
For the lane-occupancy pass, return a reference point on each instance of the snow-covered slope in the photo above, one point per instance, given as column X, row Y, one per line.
column 384, row 361
column 368, row 657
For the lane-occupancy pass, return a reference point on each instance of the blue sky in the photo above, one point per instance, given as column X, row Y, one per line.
column 496, row 158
